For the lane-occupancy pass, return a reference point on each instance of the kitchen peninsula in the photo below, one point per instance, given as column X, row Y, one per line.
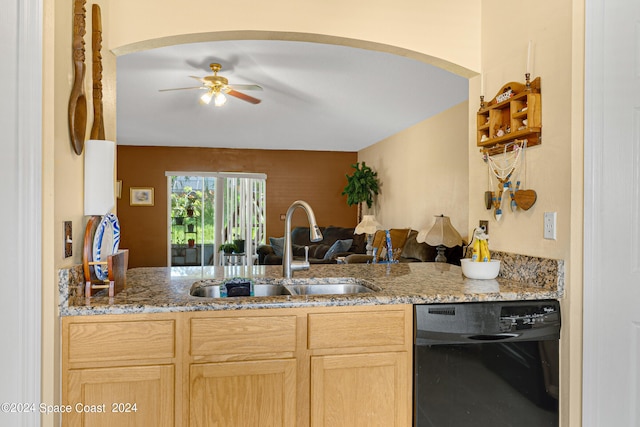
column 158, row 289
column 278, row 360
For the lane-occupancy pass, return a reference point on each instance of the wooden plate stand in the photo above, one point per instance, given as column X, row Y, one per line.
column 116, row 265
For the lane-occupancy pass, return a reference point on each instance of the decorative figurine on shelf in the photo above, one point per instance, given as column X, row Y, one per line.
column 508, row 93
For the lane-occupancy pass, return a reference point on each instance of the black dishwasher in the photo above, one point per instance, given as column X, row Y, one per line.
column 486, row 364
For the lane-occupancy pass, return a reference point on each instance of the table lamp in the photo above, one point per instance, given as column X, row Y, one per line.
column 368, row 226
column 441, row 235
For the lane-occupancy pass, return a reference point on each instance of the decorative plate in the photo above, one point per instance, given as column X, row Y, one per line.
column 105, row 243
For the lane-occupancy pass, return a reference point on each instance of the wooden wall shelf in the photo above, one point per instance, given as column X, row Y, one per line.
column 516, row 118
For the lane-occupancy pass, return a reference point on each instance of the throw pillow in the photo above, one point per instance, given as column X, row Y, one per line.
column 338, row 247
column 277, row 243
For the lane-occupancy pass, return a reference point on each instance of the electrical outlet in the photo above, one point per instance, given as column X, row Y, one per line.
column 550, row 225
column 68, row 242
column 485, row 224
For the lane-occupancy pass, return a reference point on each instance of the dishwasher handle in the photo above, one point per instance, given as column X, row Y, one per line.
column 492, row 337
column 423, row 337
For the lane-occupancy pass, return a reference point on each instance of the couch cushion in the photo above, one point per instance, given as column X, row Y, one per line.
column 318, row 250
column 277, row 243
column 331, row 234
column 300, row 236
column 338, row 247
column 420, row 251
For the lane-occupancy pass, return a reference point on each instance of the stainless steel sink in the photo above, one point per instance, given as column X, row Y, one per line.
column 259, row 290
column 263, row 290
column 328, row 289
column 206, row 292
column 298, row 287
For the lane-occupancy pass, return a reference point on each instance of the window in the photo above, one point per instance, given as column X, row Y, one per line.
column 208, row 209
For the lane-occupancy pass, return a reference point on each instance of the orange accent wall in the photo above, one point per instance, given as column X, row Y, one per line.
column 317, row 177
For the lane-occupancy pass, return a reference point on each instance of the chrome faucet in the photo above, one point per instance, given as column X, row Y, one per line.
column 288, row 265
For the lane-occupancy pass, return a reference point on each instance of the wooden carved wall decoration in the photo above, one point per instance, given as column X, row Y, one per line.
column 97, row 130
column 77, row 100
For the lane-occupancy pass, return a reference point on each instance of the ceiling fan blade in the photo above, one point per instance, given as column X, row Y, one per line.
column 182, row 88
column 245, row 87
column 244, row 97
column 200, row 79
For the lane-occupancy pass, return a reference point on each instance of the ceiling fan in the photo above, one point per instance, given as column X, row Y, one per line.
column 217, row 87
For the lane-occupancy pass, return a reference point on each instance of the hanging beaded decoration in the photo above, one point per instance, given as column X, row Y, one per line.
column 502, row 167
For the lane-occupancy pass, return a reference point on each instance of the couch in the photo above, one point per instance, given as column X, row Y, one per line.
column 322, row 252
column 412, row 251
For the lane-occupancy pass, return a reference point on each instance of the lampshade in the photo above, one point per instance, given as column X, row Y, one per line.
column 442, row 233
column 206, row 98
column 219, row 99
column 368, row 225
column 99, row 177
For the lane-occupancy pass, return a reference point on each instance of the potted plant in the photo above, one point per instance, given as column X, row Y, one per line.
column 178, row 207
column 186, row 203
column 361, row 187
column 193, row 202
column 228, row 248
column 191, row 242
column 239, row 244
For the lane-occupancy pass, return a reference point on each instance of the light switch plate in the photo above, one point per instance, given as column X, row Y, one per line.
column 68, row 239
column 550, row 225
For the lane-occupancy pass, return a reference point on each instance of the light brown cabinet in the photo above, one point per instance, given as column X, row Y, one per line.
column 360, row 368
column 318, row 366
column 119, row 370
column 125, row 396
column 253, row 393
column 242, row 369
column 353, row 390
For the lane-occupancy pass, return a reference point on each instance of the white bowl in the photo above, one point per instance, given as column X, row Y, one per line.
column 480, row 270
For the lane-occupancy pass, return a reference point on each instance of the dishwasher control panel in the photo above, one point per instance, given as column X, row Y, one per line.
column 486, row 321
column 519, row 317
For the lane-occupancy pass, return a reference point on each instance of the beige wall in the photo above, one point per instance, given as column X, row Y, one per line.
column 554, row 168
column 548, row 166
column 63, row 170
column 445, row 30
column 423, row 172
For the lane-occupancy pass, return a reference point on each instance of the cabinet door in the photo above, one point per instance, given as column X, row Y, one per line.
column 361, row 390
column 256, row 393
column 128, row 396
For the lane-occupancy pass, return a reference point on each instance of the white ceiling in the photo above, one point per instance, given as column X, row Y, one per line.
column 315, row 97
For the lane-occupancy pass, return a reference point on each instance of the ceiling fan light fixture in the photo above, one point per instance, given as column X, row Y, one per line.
column 219, row 99
column 206, row 98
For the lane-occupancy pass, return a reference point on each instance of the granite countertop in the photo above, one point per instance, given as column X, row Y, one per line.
column 164, row 289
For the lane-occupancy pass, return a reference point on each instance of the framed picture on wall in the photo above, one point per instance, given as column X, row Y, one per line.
column 141, row 196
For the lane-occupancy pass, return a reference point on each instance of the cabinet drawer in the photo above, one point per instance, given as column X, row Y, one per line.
column 115, row 341
column 356, row 329
column 243, row 336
